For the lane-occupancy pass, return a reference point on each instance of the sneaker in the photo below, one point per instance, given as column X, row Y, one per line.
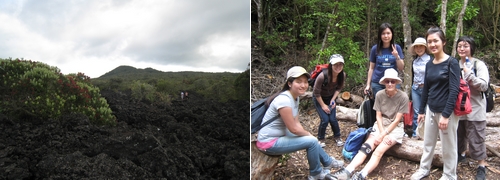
column 461, row 159
column 419, row 174
column 321, row 175
column 339, row 142
column 322, row 143
column 342, row 174
column 481, row 173
column 335, row 164
column 357, row 176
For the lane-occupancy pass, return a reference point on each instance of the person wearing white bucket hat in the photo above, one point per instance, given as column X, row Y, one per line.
column 286, row 135
column 419, row 51
column 390, row 105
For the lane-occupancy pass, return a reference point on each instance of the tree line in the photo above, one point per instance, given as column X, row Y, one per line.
column 316, row 28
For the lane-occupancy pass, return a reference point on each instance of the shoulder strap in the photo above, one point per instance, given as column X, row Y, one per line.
column 267, row 123
column 325, row 76
column 475, row 73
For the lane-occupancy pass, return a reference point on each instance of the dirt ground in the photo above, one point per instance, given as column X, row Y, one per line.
column 193, row 139
column 296, row 166
column 267, row 77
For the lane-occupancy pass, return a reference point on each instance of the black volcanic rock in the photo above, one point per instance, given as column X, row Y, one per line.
column 193, row 139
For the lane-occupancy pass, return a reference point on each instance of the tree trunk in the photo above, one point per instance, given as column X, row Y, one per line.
column 259, row 15
column 443, row 15
column 407, row 43
column 368, row 27
column 459, row 27
column 326, row 35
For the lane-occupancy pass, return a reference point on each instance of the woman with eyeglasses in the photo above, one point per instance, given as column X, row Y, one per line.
column 390, row 105
column 441, row 83
column 384, row 55
column 472, row 127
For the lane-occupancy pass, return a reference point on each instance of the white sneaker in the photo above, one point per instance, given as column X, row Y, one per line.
column 336, row 164
column 321, row 176
column 321, row 143
column 420, row 174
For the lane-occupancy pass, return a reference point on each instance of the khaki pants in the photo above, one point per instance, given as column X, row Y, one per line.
column 448, row 143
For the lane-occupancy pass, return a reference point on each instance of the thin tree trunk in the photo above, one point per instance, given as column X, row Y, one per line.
column 326, row 35
column 407, row 43
column 259, row 15
column 459, row 28
column 496, row 7
column 443, row 15
column 368, row 26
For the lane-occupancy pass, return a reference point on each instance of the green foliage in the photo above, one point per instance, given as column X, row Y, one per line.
column 163, row 87
column 242, row 85
column 36, row 89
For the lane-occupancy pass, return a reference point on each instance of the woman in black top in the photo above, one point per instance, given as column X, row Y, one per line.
column 441, row 83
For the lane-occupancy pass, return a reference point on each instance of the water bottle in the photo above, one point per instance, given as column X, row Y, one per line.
column 468, row 64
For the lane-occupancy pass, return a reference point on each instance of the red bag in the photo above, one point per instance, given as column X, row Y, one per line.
column 317, row 70
column 463, row 106
column 408, row 120
column 408, row 117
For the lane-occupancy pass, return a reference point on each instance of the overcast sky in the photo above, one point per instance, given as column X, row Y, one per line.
column 96, row 36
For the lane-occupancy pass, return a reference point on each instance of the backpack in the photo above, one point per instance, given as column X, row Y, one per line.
column 462, row 105
column 489, row 94
column 317, row 70
column 259, row 109
column 408, row 120
column 366, row 115
column 353, row 142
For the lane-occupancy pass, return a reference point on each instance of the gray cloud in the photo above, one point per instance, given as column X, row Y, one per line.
column 177, row 32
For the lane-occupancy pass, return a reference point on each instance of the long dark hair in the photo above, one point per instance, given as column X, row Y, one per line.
column 285, row 88
column 340, row 76
column 381, row 29
column 469, row 40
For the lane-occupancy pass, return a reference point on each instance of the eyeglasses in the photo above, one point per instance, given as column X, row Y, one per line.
column 390, row 81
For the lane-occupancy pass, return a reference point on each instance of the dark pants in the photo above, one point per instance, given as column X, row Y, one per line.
column 327, row 118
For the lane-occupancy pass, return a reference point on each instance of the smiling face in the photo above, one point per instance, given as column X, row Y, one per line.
column 435, row 43
column 463, row 49
column 299, row 85
column 390, row 84
column 419, row 50
column 337, row 67
column 386, row 36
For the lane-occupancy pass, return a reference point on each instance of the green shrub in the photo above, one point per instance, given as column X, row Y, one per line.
column 36, row 89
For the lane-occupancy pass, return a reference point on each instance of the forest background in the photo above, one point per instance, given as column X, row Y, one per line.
column 307, row 32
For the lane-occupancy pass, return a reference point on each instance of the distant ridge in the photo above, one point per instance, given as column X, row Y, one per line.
column 128, row 70
column 135, row 73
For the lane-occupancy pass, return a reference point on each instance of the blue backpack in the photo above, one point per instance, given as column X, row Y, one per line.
column 353, row 142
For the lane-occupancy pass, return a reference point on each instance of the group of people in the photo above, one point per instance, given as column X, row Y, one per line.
column 435, row 86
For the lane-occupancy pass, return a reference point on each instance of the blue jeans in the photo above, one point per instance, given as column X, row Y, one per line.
column 377, row 87
column 416, row 99
column 315, row 154
column 327, row 118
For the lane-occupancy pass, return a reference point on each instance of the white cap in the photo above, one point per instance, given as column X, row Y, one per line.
column 296, row 72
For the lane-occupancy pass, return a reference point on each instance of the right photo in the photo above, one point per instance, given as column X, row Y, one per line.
column 367, row 90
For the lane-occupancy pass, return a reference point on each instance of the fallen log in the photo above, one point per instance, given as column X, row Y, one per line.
column 263, row 166
column 346, row 96
column 412, row 150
